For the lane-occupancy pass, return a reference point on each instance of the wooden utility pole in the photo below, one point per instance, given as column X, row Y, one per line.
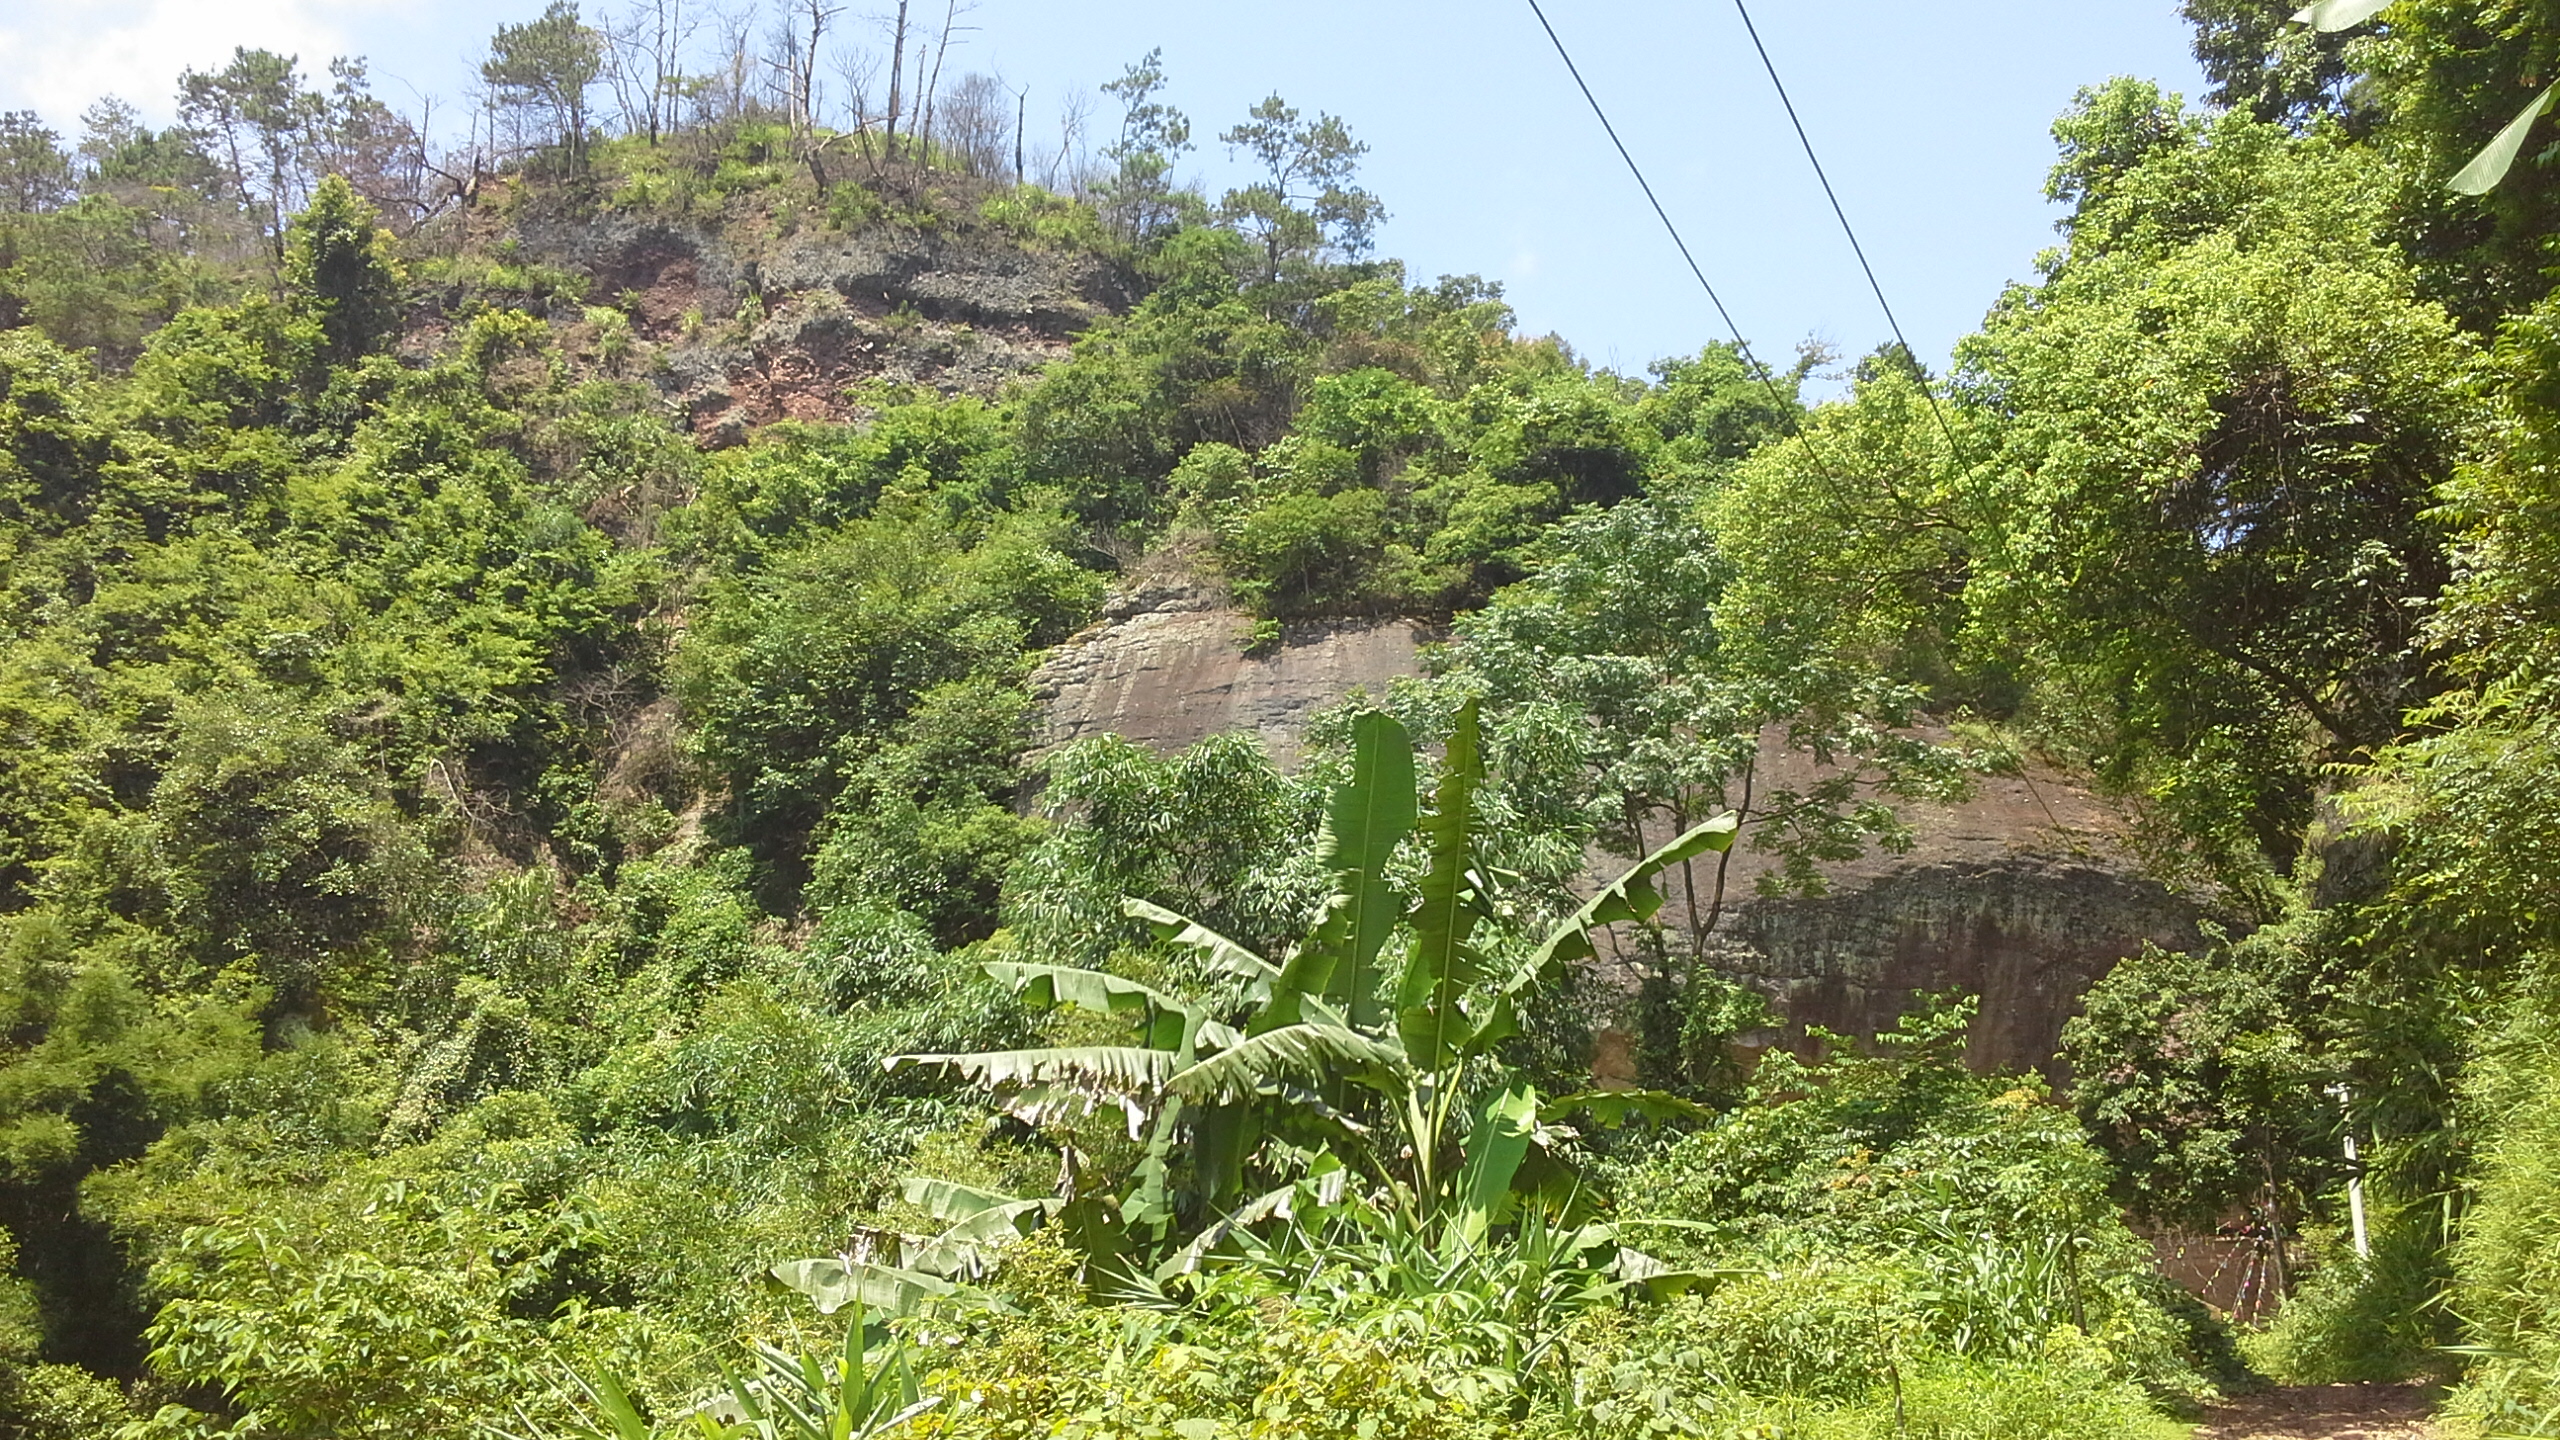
column 1021, row 112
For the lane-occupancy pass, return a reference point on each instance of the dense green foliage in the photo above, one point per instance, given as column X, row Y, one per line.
column 507, row 896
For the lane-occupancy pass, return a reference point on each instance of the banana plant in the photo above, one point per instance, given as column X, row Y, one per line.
column 1350, row 1061
column 865, row 1390
column 2496, row 158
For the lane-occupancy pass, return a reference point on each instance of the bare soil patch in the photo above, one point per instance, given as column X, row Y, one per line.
column 2322, row 1412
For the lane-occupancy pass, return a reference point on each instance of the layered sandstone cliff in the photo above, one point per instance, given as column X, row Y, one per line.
column 2022, row 893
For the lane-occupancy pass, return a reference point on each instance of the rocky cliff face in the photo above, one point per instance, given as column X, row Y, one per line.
column 776, row 318
column 1171, row 665
column 2022, row 893
column 2029, row 932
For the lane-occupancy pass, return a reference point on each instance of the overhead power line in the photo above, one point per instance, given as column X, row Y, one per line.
column 1954, row 450
column 1786, row 408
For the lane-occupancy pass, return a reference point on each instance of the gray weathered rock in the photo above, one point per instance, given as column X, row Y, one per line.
column 1169, row 667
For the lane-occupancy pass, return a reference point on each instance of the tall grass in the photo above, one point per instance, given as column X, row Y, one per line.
column 2507, row 1254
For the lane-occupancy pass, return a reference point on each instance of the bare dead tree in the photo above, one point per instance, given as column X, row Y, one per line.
column 915, row 105
column 644, row 63
column 952, row 10
column 727, row 90
column 791, row 60
column 857, row 67
column 1021, row 114
column 975, row 122
column 897, row 71
column 666, row 60
column 1063, row 170
column 814, row 15
column 626, row 73
column 802, row 31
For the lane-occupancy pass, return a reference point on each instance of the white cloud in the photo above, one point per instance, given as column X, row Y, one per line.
column 56, row 56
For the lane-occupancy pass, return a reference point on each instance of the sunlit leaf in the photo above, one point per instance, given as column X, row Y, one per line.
column 1303, row 1051
column 1631, row 896
column 836, row 1281
column 2499, row 156
column 1495, row 1148
column 1366, row 818
column 2330, row 15
column 1106, row 1069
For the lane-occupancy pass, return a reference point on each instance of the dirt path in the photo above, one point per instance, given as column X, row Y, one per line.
column 2321, row 1412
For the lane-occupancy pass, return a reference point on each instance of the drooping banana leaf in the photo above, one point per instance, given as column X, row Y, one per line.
column 1040, row 1106
column 1632, row 896
column 2333, row 15
column 1441, row 965
column 1105, row 1069
column 970, row 1245
column 1101, row 993
column 835, row 1281
column 1149, row 1208
column 1275, row 1204
column 1222, row 954
column 1292, row 1052
column 1662, row 1281
column 951, row 1200
column 2499, row 156
column 1222, row 1138
column 1610, row 1109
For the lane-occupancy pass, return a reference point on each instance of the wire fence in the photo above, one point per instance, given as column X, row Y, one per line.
column 2237, row 1269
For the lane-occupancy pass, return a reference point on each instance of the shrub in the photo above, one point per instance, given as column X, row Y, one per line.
column 2364, row 1319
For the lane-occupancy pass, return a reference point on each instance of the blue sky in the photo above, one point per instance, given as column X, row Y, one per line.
column 1932, row 120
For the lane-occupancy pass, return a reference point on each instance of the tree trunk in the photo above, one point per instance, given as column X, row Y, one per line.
column 897, row 70
column 941, row 48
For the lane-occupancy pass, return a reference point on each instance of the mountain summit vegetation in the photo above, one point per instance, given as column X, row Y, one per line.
column 529, row 906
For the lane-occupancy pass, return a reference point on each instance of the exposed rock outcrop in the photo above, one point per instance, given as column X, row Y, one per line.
column 1171, row 665
column 2029, row 932
column 771, row 319
column 2022, row 893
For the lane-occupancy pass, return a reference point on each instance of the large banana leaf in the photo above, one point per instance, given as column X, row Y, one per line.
column 2499, row 156
column 951, row 1200
column 836, row 1281
column 1365, row 819
column 1495, row 1148
column 983, row 1222
column 2331, row 15
column 1441, row 964
column 1610, row 1109
column 1631, row 896
column 1275, row 1204
column 1293, row 1052
column 1105, row 1069
column 1223, row 955
column 1149, row 1207
column 1168, row 1019
column 1223, row 1138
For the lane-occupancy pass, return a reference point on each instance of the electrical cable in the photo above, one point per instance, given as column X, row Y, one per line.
column 1786, row 408
column 1929, row 393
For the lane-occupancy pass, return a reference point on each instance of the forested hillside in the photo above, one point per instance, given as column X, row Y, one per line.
column 524, row 909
